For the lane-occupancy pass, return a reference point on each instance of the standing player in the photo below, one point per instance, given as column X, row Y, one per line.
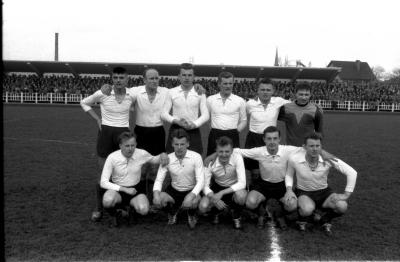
column 301, row 117
column 114, row 120
column 186, row 103
column 187, row 179
column 263, row 112
column 312, row 188
column 225, row 183
column 123, row 167
column 227, row 111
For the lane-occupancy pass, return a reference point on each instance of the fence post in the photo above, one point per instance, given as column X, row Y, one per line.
column 22, row 98
column 6, row 97
column 51, row 98
column 66, row 98
column 377, row 106
column 363, row 107
column 392, row 107
column 348, row 106
column 36, row 98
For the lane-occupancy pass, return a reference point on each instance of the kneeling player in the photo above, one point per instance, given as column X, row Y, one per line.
column 225, row 183
column 312, row 188
column 187, row 179
column 124, row 168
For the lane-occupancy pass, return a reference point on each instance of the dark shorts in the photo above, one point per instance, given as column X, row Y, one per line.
column 217, row 133
column 107, row 140
column 178, row 196
column 253, row 140
column 126, row 198
column 270, row 190
column 318, row 196
column 195, row 144
column 228, row 198
column 151, row 139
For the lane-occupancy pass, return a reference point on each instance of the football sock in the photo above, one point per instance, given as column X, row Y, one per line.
column 328, row 216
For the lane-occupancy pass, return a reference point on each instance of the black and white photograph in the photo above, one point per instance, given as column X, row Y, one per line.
column 209, row 130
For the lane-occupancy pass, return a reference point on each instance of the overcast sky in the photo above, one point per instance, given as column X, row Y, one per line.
column 230, row 32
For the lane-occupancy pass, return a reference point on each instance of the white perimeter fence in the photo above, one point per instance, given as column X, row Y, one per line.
column 51, row 98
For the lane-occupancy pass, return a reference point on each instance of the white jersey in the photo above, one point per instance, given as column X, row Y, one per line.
column 113, row 113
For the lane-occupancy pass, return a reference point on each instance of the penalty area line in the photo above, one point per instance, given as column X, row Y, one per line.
column 275, row 248
column 47, row 140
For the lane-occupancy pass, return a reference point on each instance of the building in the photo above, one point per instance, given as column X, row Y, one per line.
column 353, row 71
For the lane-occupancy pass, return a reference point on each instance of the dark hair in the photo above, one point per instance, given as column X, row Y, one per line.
column 186, row 66
column 148, row 69
column 224, row 141
column 313, row 136
column 225, row 74
column 125, row 136
column 265, row 81
column 119, row 70
column 180, row 133
column 272, row 129
column 303, row 86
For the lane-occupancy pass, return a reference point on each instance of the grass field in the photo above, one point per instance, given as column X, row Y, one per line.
column 50, row 166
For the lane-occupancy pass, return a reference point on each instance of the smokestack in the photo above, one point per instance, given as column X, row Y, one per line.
column 56, row 48
column 358, row 65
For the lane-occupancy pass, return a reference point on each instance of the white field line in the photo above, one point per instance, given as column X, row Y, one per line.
column 275, row 248
column 47, row 140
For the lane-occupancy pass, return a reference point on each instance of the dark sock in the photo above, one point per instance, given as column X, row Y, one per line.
column 328, row 216
column 236, row 210
column 191, row 212
column 112, row 211
column 261, row 209
column 171, row 208
column 99, row 197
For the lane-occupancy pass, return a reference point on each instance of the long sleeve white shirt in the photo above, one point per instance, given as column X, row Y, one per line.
column 312, row 180
column 231, row 175
column 226, row 115
column 260, row 117
column 272, row 167
column 186, row 174
column 113, row 113
column 124, row 171
column 148, row 114
column 185, row 106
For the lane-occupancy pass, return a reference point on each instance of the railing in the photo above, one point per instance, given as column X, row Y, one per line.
column 51, row 98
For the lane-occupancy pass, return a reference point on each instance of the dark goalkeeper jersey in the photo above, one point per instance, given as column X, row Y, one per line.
column 300, row 121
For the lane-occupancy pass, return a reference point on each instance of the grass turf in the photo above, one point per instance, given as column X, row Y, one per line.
column 50, row 168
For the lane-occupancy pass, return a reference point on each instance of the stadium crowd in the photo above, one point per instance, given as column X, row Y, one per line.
column 336, row 90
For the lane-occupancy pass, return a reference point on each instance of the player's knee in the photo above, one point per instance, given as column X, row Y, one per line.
column 108, row 201
column 251, row 202
column 204, row 206
column 142, row 209
column 240, row 197
column 306, row 209
column 341, row 207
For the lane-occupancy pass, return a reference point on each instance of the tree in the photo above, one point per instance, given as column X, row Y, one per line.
column 379, row 73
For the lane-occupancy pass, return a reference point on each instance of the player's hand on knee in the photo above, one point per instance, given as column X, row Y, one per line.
column 220, row 205
column 106, row 89
column 128, row 190
column 157, row 200
column 188, row 201
column 289, row 197
column 216, row 197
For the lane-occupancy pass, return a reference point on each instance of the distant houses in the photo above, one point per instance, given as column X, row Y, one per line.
column 353, row 71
